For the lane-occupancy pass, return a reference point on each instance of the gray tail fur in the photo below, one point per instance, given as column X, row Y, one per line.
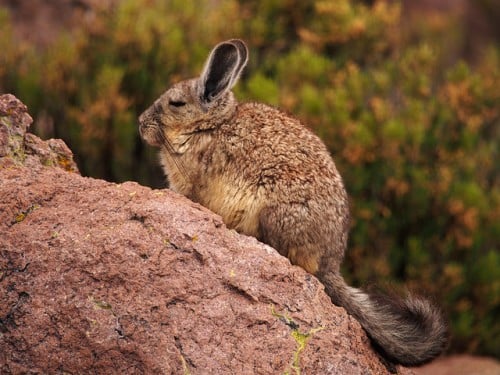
column 409, row 331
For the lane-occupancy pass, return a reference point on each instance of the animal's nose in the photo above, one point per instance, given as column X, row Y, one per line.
column 141, row 118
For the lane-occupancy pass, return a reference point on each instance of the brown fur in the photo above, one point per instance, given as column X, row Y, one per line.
column 268, row 176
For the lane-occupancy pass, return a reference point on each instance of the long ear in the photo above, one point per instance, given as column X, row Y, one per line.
column 243, row 53
column 222, row 69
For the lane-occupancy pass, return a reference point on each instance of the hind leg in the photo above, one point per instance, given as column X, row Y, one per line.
column 297, row 234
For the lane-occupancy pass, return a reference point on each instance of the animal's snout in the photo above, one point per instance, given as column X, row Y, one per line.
column 143, row 123
column 142, row 117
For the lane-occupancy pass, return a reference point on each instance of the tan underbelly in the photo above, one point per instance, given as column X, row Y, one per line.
column 238, row 206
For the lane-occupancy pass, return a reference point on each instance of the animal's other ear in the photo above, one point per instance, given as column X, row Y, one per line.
column 222, row 69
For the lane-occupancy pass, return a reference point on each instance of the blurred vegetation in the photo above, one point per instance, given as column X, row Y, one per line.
column 415, row 135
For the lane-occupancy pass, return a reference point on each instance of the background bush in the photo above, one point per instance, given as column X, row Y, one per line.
column 414, row 132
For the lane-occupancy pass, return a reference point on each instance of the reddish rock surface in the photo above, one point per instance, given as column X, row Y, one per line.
column 461, row 365
column 104, row 278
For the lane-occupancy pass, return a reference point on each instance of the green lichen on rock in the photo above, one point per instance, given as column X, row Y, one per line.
column 185, row 367
column 11, row 142
column 65, row 163
column 14, row 122
column 100, row 304
column 23, row 214
column 300, row 338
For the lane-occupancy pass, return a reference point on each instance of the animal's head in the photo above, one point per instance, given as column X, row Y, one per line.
column 197, row 104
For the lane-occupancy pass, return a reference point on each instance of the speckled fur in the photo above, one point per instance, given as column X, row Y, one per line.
column 270, row 177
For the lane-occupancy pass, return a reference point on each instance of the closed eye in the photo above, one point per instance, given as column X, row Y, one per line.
column 176, row 103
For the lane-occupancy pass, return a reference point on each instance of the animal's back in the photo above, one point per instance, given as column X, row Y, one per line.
column 274, row 152
column 284, row 183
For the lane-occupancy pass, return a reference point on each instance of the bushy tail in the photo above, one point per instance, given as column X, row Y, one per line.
column 407, row 331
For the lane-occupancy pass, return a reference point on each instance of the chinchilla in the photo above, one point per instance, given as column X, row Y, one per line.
column 270, row 177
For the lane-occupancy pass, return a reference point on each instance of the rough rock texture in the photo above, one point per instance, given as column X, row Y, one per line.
column 102, row 278
column 22, row 148
column 461, row 365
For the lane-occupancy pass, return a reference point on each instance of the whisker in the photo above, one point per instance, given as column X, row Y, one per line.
column 171, row 153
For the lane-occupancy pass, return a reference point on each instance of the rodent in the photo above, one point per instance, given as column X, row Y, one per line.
column 270, row 177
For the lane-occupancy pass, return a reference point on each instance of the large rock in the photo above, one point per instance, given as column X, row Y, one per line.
column 461, row 365
column 105, row 278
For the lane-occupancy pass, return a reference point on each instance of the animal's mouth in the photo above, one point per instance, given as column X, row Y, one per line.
column 151, row 134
